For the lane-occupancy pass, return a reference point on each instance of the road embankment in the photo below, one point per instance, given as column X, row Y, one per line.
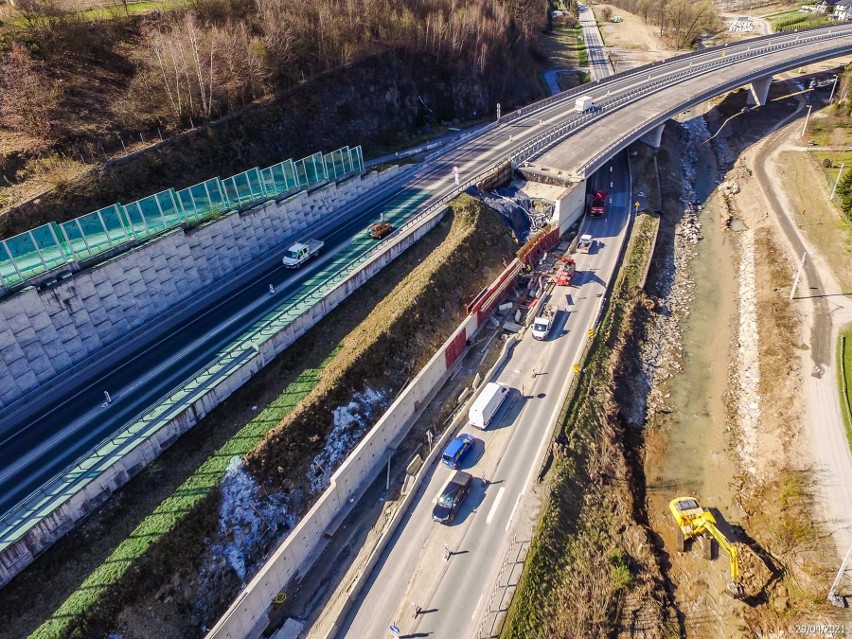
column 168, row 586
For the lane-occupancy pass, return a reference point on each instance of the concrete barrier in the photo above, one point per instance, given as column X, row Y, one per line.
column 248, row 615
column 45, row 332
column 56, row 511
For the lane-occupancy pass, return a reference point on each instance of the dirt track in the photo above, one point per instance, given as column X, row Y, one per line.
column 733, row 433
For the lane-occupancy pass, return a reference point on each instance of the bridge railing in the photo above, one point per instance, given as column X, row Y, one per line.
column 555, row 135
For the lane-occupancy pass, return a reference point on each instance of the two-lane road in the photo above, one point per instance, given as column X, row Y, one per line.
column 453, row 594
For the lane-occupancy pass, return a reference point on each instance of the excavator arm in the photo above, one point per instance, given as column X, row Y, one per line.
column 728, row 547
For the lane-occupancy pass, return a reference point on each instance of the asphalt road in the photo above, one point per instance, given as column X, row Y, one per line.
column 64, row 423
column 598, row 65
column 453, row 594
column 33, row 450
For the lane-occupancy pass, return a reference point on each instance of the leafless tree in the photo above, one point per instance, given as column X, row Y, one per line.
column 28, row 97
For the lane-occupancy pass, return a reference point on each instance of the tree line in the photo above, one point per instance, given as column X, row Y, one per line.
column 681, row 22
column 192, row 63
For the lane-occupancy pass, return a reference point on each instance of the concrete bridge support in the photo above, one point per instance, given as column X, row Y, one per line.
column 759, row 91
column 653, row 137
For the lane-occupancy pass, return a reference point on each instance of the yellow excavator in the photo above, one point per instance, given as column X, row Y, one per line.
column 693, row 521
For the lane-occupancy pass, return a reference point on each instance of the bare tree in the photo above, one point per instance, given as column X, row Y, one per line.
column 28, row 97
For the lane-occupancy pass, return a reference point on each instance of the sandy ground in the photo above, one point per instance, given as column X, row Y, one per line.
column 631, row 43
column 753, row 419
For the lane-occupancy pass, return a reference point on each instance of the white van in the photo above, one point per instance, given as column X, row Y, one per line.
column 486, row 405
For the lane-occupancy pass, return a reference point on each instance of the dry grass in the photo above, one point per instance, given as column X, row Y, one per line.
column 400, row 335
column 822, row 224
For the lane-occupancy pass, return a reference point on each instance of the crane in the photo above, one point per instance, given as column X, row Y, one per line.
column 693, row 521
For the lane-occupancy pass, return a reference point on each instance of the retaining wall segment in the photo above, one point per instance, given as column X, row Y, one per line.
column 248, row 615
column 57, row 519
column 45, row 332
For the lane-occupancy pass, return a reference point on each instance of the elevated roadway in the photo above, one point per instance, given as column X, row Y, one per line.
column 630, row 104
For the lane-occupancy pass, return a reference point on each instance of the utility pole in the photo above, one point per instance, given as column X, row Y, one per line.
column 833, row 87
column 807, row 117
column 798, row 275
column 833, row 597
column 834, row 188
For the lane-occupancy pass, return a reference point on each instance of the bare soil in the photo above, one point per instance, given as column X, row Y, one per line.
column 632, row 43
column 761, row 500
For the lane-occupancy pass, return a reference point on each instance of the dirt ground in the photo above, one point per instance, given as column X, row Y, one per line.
column 733, row 433
column 631, row 43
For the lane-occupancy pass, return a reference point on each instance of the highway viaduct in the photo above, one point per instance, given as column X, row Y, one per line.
column 628, row 106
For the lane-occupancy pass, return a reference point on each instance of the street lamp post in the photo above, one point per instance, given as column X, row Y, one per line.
column 834, row 188
column 833, row 87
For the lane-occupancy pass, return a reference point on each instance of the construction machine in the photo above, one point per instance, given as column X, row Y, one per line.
column 693, row 521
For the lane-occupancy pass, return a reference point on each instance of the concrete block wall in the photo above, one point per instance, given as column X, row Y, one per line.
column 247, row 617
column 107, row 480
column 46, row 332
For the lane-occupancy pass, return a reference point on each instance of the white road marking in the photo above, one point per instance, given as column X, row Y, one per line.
column 476, row 608
column 512, row 515
column 444, row 485
column 494, row 506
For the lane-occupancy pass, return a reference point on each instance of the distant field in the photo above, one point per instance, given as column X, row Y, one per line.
column 107, row 10
column 795, row 19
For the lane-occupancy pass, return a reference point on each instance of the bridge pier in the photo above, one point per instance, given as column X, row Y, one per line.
column 653, row 137
column 759, row 91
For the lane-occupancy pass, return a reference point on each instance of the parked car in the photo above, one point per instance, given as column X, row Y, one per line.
column 456, row 450
column 451, row 498
column 378, row 230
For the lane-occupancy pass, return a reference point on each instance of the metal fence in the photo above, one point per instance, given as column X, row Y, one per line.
column 54, row 245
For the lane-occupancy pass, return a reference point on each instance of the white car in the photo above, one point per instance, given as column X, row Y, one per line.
column 585, row 243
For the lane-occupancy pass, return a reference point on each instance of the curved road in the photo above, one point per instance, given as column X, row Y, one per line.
column 42, row 446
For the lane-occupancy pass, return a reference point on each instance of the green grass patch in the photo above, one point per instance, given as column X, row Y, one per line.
column 566, row 48
column 132, row 9
column 801, row 21
column 72, row 616
column 836, row 158
column 574, row 551
column 844, row 374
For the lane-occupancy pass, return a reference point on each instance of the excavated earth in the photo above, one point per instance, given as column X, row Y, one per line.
column 711, row 397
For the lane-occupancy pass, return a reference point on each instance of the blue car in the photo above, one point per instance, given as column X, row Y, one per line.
column 456, row 450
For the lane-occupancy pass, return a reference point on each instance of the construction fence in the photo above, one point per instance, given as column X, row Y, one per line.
column 53, row 245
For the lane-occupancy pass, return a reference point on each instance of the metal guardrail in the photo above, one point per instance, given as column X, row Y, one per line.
column 24, row 509
column 553, row 137
column 543, row 142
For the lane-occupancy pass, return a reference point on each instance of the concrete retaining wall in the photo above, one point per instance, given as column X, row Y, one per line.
column 65, row 516
column 46, row 332
column 248, row 615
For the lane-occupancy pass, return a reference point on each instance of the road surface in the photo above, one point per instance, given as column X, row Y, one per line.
column 453, row 595
column 66, row 421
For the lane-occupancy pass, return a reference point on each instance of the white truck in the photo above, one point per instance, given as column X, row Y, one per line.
column 543, row 322
column 585, row 244
column 300, row 252
column 583, row 103
column 485, row 406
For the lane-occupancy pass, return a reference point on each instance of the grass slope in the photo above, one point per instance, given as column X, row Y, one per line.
column 395, row 339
